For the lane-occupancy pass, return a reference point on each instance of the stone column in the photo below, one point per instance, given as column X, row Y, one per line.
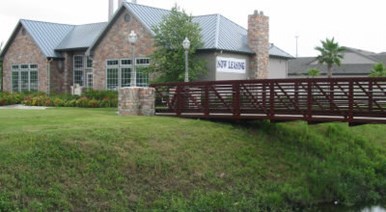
column 258, row 41
column 136, row 101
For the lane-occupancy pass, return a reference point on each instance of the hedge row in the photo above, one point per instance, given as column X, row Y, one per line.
column 90, row 99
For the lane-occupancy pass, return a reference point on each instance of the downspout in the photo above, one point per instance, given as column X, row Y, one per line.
column 48, row 67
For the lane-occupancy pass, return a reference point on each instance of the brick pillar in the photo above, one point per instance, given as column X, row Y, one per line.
column 258, row 41
column 136, row 101
column 67, row 63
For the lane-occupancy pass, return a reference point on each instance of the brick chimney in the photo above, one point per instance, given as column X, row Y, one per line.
column 258, row 42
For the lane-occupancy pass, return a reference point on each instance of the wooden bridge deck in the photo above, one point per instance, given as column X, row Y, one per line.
column 352, row 100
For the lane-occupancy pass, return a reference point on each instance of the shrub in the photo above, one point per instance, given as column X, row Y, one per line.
column 100, row 95
column 58, row 102
column 93, row 103
column 7, row 98
column 90, row 98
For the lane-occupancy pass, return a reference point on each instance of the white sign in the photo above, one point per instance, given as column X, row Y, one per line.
column 231, row 65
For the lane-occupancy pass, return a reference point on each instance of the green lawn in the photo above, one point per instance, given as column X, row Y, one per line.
column 94, row 160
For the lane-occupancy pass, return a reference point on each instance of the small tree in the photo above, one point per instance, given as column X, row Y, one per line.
column 378, row 70
column 313, row 72
column 168, row 60
column 330, row 53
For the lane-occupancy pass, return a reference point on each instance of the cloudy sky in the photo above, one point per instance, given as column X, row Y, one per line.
column 358, row 24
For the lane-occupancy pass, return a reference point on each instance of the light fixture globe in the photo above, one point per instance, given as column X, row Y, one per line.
column 133, row 37
column 186, row 43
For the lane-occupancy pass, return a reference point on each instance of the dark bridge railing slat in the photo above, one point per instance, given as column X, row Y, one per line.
column 335, row 99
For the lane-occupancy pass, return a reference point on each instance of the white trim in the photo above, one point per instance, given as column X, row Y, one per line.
column 121, row 66
column 28, row 70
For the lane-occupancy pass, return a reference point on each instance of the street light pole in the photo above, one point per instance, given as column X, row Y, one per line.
column 133, row 77
column 186, row 45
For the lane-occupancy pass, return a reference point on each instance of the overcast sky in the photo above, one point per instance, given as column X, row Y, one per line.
column 354, row 23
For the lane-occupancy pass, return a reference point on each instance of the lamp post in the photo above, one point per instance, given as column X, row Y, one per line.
column 186, row 45
column 133, row 77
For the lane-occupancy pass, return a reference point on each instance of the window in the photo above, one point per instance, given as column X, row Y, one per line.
column 24, row 78
column 83, row 71
column 15, row 81
column 89, row 62
column 78, row 70
column 89, row 74
column 142, row 77
column 118, row 73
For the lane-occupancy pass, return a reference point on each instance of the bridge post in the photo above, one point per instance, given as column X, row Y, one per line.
column 180, row 100
column 332, row 96
column 264, row 98
column 350, row 102
column 271, row 101
column 309, row 101
column 370, row 95
column 206, row 100
column 296, row 92
column 236, row 100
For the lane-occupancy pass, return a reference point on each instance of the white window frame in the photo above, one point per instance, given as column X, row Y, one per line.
column 76, row 69
column 121, row 67
column 85, row 71
column 29, row 69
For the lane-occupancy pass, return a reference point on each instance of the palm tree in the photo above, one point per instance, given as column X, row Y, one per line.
column 378, row 70
column 330, row 53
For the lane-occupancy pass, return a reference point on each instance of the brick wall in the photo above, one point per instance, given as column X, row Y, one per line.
column 258, row 41
column 57, row 76
column 23, row 50
column 115, row 45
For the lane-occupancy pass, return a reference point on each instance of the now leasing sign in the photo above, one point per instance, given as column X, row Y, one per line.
column 231, row 65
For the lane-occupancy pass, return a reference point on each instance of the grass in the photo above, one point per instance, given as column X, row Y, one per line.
column 93, row 160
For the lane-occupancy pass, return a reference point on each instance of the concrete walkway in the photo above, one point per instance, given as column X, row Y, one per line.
column 23, row 107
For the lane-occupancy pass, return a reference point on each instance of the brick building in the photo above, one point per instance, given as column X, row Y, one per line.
column 52, row 57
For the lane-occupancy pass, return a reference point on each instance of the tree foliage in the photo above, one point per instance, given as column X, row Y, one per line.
column 168, row 59
column 378, row 70
column 330, row 53
column 313, row 72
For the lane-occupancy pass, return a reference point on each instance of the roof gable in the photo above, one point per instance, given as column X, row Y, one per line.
column 81, row 36
column 148, row 16
column 47, row 35
column 217, row 31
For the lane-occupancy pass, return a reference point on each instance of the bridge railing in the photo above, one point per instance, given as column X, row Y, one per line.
column 310, row 99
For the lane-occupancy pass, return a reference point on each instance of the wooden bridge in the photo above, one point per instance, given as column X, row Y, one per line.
column 315, row 100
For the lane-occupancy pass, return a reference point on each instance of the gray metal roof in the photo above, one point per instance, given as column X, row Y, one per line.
column 149, row 16
column 300, row 66
column 277, row 52
column 221, row 33
column 217, row 31
column 47, row 36
column 81, row 36
column 294, row 69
